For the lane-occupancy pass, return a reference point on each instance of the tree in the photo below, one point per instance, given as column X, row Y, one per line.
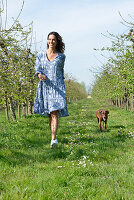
column 116, row 81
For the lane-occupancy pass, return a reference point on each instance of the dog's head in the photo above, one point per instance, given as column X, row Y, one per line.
column 104, row 114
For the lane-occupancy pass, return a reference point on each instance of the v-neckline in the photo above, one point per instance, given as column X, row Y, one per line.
column 53, row 59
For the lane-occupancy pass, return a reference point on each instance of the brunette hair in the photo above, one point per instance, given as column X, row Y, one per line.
column 60, row 47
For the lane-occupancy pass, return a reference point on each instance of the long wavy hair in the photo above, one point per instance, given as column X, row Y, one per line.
column 60, row 47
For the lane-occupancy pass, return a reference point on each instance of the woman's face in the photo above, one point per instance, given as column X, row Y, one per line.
column 52, row 41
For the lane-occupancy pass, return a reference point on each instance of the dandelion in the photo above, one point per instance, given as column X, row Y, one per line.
column 6, row 138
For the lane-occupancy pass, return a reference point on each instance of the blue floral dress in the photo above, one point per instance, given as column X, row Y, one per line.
column 51, row 93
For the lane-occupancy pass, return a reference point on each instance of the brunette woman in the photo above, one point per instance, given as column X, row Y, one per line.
column 51, row 95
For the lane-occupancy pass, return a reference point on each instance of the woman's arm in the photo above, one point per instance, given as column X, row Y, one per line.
column 38, row 68
column 62, row 63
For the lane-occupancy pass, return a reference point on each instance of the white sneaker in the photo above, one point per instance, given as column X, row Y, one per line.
column 54, row 144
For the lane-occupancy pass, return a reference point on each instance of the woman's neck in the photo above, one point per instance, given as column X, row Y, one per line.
column 51, row 51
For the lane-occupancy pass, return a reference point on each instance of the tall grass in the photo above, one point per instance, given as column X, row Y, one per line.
column 88, row 164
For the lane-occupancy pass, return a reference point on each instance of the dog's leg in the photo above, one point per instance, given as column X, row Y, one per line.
column 105, row 124
column 100, row 125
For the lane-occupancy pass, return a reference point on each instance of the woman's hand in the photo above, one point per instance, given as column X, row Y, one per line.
column 42, row 77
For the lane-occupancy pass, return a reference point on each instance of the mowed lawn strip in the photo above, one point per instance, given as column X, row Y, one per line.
column 88, row 164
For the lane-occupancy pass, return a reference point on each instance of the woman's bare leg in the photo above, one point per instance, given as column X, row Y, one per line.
column 50, row 121
column 53, row 123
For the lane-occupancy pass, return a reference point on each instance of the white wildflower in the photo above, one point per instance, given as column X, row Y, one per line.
column 59, row 167
column 84, row 165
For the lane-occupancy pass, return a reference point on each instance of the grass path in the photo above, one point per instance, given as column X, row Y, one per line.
column 88, row 164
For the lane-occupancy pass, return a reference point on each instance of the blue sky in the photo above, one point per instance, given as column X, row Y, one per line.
column 80, row 23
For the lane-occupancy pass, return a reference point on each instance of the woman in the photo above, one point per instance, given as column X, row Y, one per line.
column 51, row 97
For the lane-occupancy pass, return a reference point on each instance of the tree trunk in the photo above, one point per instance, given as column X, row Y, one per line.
column 126, row 103
column 111, row 102
column 19, row 110
column 12, row 109
column 116, row 103
column 24, row 109
column 27, row 108
column 132, row 106
column 119, row 102
column 30, row 103
column 123, row 102
column 30, row 107
column 6, row 108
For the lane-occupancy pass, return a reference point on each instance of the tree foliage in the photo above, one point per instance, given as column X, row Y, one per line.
column 74, row 90
column 16, row 67
column 116, row 81
column 17, row 80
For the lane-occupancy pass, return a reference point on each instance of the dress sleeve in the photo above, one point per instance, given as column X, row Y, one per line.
column 38, row 66
column 62, row 63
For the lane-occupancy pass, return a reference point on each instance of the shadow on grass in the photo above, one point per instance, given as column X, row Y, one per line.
column 117, row 126
column 36, row 116
column 36, row 148
column 34, row 142
column 17, row 158
column 26, row 158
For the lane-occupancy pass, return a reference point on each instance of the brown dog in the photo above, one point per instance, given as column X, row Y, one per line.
column 102, row 115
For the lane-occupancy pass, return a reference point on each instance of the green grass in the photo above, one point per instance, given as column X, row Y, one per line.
column 88, row 164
